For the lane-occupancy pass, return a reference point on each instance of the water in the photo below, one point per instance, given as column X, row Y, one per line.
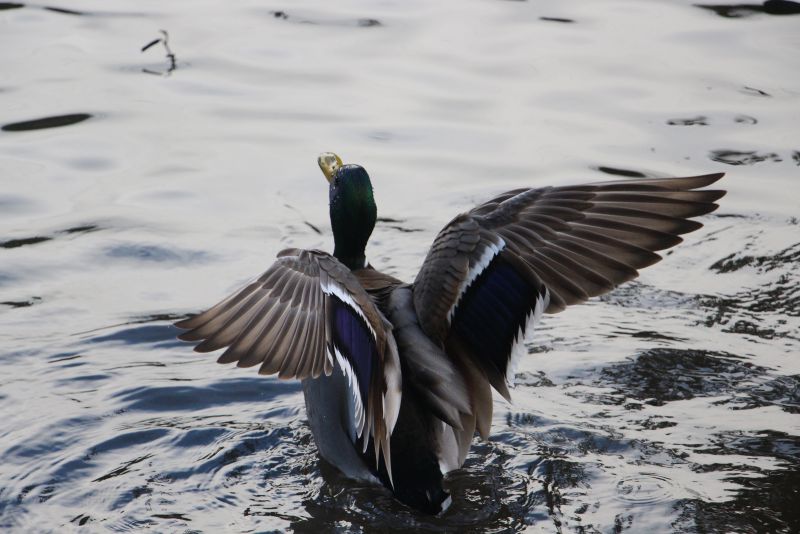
column 138, row 187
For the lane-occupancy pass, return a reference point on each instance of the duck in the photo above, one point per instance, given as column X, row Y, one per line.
column 397, row 377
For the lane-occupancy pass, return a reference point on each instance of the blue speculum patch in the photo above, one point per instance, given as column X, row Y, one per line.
column 492, row 311
column 354, row 340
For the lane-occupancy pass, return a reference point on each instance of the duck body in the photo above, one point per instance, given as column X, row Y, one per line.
column 397, row 377
column 418, row 442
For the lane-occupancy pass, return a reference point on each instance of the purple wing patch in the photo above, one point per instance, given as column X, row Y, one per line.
column 353, row 342
column 492, row 312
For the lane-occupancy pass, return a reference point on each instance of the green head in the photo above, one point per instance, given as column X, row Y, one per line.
column 352, row 209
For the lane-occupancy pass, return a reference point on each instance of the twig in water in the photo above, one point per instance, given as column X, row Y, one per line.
column 170, row 55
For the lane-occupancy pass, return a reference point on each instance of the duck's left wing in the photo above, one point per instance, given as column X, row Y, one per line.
column 304, row 312
column 493, row 269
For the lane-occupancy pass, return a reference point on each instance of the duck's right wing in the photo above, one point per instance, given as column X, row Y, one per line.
column 294, row 320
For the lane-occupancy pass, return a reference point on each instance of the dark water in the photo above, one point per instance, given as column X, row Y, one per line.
column 144, row 175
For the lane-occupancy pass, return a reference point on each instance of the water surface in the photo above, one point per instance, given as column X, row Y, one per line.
column 144, row 175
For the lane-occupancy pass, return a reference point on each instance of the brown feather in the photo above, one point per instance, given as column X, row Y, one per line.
column 578, row 241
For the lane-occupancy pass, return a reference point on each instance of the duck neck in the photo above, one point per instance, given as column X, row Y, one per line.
column 353, row 215
column 350, row 241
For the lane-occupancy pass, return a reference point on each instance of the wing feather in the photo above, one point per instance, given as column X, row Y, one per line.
column 293, row 318
column 557, row 246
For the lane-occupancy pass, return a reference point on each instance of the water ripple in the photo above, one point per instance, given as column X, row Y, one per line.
column 645, row 488
column 47, row 122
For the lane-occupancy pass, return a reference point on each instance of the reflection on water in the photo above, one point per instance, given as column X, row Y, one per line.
column 670, row 405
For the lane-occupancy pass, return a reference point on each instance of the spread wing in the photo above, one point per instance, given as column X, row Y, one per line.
column 490, row 272
column 304, row 312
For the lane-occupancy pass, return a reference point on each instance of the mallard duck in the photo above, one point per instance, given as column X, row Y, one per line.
column 397, row 377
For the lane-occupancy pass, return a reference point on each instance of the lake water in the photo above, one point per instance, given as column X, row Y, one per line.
column 137, row 187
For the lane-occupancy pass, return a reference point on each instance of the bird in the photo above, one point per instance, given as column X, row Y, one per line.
column 397, row 377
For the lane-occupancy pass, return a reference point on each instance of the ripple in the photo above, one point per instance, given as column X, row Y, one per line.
column 65, row 11
column 123, row 469
column 782, row 391
column 124, row 428
column 768, row 495
column 15, row 204
column 662, row 375
column 22, row 303
column 621, row 172
column 154, row 253
column 639, row 295
column 160, row 335
column 228, row 391
column 769, row 7
column 779, row 297
column 24, row 241
column 753, row 91
column 787, row 258
column 486, row 496
column 56, row 121
column 645, row 488
column 369, row 23
column 745, row 119
column 700, row 120
column 35, row 240
column 735, row 157
column 364, row 22
column 557, row 19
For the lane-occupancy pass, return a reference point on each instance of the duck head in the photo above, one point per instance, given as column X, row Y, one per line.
column 352, row 209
